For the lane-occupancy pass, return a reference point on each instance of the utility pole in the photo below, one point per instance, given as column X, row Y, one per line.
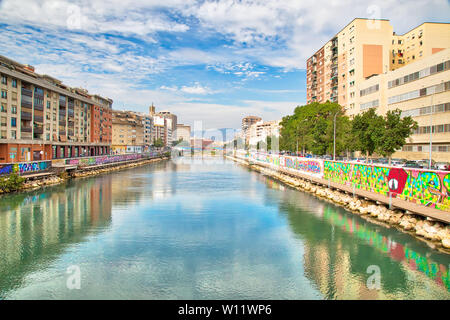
column 334, row 136
column 431, row 131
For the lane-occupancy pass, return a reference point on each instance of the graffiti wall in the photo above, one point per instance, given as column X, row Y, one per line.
column 309, row 166
column 91, row 161
column 429, row 188
column 25, row 167
column 426, row 187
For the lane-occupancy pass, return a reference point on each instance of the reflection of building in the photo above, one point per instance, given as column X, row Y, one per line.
column 38, row 228
column 339, row 248
column 128, row 132
column 183, row 132
column 43, row 119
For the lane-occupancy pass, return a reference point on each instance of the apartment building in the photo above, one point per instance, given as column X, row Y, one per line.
column 367, row 65
column 247, row 122
column 162, row 129
column 421, row 90
column 172, row 121
column 365, row 48
column 43, row 119
column 147, row 121
column 262, row 129
column 183, row 132
column 127, row 132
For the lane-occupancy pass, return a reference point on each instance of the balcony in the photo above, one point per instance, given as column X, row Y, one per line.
column 26, row 104
column 26, row 129
column 38, row 130
column 27, row 92
column 38, row 107
column 25, row 115
column 38, row 118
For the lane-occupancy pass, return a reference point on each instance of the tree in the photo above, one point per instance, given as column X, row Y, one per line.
column 395, row 132
column 311, row 128
column 367, row 130
column 158, row 143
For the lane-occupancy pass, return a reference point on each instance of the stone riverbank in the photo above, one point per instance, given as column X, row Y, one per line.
column 82, row 172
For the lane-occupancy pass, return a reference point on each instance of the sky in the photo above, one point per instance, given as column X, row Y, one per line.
column 209, row 61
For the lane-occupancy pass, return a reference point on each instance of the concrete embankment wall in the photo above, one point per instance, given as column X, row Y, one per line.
column 37, row 167
column 44, row 173
column 425, row 192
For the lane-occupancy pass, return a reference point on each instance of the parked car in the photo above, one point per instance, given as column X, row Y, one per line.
column 413, row 164
column 445, row 166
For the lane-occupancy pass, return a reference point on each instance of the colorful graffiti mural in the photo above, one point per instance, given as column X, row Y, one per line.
column 429, row 188
column 91, row 161
column 304, row 165
column 425, row 187
column 25, row 167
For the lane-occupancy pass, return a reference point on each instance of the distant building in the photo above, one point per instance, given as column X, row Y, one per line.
column 127, row 133
column 172, row 122
column 183, row 132
column 261, row 130
column 246, row 124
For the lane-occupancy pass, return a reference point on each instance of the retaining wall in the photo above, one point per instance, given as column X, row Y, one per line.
column 429, row 188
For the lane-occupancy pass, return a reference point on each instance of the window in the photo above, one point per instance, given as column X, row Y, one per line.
column 13, row 122
column 13, row 134
column 3, row 108
column 4, row 80
column 4, row 94
column 48, row 105
column 14, row 109
column 14, row 83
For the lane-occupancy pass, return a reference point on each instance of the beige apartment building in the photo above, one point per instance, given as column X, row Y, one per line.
column 127, row 132
column 260, row 130
column 43, row 119
column 365, row 48
column 184, row 132
column 247, row 122
column 367, row 65
column 420, row 90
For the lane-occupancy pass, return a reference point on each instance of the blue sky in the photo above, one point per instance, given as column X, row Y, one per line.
column 210, row 61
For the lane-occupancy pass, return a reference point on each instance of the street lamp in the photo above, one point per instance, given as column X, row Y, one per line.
column 431, row 124
column 334, row 136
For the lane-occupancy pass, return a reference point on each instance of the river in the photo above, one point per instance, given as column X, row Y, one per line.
column 203, row 229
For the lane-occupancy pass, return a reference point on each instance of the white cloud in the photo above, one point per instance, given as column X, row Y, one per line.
column 92, row 43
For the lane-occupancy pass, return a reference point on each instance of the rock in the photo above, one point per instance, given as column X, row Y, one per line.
column 446, row 243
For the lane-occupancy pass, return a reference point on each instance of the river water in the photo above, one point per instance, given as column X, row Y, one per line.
column 203, row 229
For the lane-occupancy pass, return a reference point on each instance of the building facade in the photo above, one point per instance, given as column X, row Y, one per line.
column 367, row 65
column 127, row 132
column 183, row 132
column 365, row 48
column 43, row 119
column 259, row 131
column 420, row 90
column 247, row 122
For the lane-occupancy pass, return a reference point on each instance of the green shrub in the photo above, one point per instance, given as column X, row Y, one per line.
column 13, row 182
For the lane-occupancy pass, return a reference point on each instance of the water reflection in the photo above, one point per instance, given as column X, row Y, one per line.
column 340, row 246
column 36, row 227
column 202, row 230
